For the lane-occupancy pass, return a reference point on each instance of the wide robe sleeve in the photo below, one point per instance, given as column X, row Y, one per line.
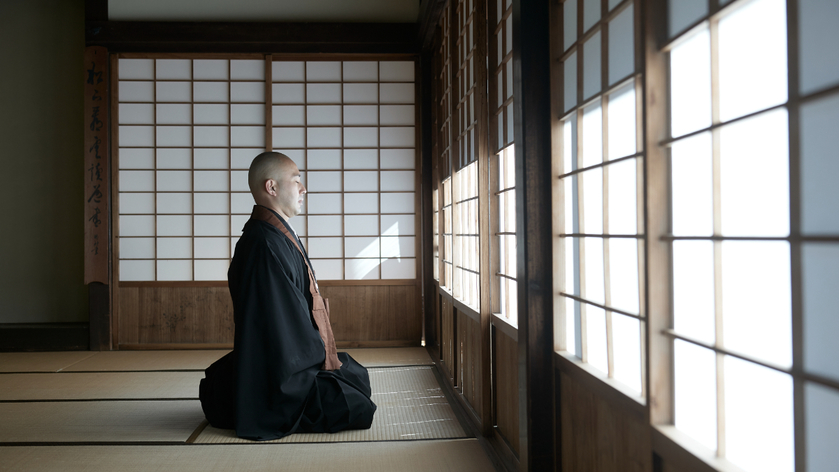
column 278, row 352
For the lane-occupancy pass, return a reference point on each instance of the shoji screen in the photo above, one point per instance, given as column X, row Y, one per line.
column 189, row 128
column 187, row 132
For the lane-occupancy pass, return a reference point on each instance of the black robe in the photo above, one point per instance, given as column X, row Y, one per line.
column 271, row 384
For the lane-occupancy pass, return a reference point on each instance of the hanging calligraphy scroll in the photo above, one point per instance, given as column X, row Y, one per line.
column 96, row 191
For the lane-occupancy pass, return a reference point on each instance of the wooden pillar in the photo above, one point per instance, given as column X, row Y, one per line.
column 531, row 86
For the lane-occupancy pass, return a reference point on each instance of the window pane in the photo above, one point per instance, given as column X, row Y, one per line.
column 690, row 84
column 753, row 58
column 756, row 300
column 820, row 263
column 693, row 289
column 758, row 417
column 692, row 188
column 695, row 392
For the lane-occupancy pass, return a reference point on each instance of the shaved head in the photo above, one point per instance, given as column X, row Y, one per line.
column 268, row 165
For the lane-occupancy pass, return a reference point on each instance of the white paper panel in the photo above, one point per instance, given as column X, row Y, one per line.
column 822, row 420
column 399, row 269
column 211, row 180
column 241, row 203
column 287, row 93
column 204, row 114
column 136, row 181
column 398, row 246
column 174, row 180
column 211, row 269
column 362, row 247
column 174, row 203
column 821, row 275
column 361, row 203
column 398, row 180
column 179, row 69
column 173, row 91
column 136, row 248
column 398, row 158
column 136, row 68
column 820, row 166
column 692, row 189
column 398, row 225
column 683, row 13
column 626, row 333
column 136, row 114
column 239, row 181
column 136, row 203
column 569, row 68
column 247, row 69
column 594, row 275
column 398, row 203
column 361, row 137
column 328, row 269
column 136, row 136
column 360, row 71
column 361, row 159
column 174, row 136
column 288, row 71
column 136, row 91
column 621, row 122
column 361, row 115
column 361, row 93
column 174, row 114
column 323, row 93
column 298, row 224
column 324, row 225
column 592, row 151
column 233, row 242
column 396, row 93
column 324, row 159
column 592, row 201
column 693, row 289
column 288, row 115
column 362, row 225
column 242, row 158
column 174, row 248
column 237, row 222
column 326, row 71
column 247, row 136
column 621, row 46
column 323, row 115
column 212, row 225
column 591, row 66
column 136, row 225
column 397, row 114
column 210, row 91
column 324, row 247
column 360, row 181
column 209, row 69
column 211, row 202
column 358, row 269
column 623, row 201
column 136, row 270
column 623, row 266
column 136, row 159
column 212, row 248
column 174, row 270
column 211, row 136
column 288, row 138
column 508, row 29
column 695, row 393
column 247, row 114
column 329, row 203
column 399, row 137
column 591, row 13
column 569, row 21
column 323, row 137
column 247, row 92
column 172, row 225
column 211, row 159
column 396, row 71
column 818, row 35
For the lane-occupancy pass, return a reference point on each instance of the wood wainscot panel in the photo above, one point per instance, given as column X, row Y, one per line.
column 469, row 353
column 175, row 315
column 597, row 434
column 448, row 341
column 374, row 315
column 506, row 388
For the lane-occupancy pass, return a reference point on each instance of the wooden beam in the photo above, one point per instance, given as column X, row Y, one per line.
column 429, row 18
column 95, row 10
column 429, row 287
column 531, row 85
column 242, row 37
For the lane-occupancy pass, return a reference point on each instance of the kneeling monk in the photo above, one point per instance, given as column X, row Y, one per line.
column 284, row 374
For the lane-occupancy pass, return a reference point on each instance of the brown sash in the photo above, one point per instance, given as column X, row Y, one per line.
column 320, row 305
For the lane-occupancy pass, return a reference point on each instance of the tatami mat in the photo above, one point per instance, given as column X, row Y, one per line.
column 99, row 421
column 464, row 455
column 40, row 361
column 410, row 404
column 100, row 385
column 390, row 356
column 116, row 361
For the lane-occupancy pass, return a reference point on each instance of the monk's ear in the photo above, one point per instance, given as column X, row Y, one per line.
column 270, row 187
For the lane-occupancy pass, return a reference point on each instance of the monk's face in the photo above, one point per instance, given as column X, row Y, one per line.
column 290, row 191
